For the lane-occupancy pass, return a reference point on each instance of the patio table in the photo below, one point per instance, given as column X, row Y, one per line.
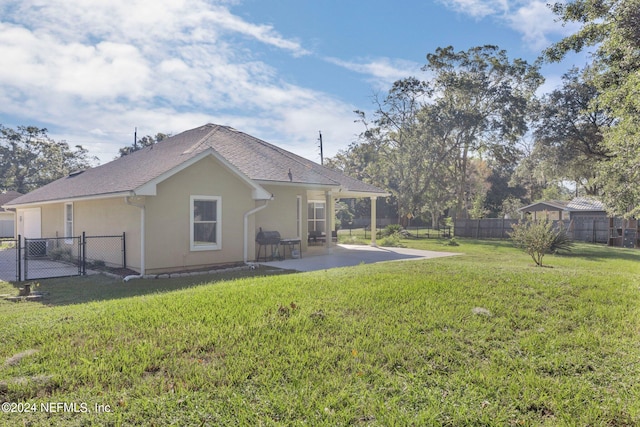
column 291, row 244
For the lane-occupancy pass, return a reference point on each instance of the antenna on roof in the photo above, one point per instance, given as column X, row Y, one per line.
column 321, row 156
column 135, row 138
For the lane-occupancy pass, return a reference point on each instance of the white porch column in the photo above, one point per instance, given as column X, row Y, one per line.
column 329, row 218
column 374, row 226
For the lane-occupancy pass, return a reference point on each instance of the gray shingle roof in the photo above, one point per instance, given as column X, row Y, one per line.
column 7, row 197
column 257, row 159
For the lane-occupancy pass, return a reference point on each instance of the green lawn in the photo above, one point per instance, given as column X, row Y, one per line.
column 480, row 339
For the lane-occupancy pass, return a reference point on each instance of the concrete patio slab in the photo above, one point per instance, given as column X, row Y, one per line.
column 350, row 255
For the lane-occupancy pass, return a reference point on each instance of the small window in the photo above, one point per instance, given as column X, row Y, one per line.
column 68, row 221
column 205, row 223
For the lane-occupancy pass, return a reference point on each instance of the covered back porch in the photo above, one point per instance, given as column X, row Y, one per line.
column 321, row 221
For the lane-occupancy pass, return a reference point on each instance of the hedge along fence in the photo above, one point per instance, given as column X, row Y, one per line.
column 592, row 230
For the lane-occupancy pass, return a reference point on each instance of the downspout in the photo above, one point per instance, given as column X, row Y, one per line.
column 142, row 240
column 245, row 248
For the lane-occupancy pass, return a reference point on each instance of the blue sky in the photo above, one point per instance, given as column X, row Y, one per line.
column 91, row 71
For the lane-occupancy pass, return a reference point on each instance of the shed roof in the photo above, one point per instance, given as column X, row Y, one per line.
column 257, row 160
column 540, row 206
column 578, row 204
column 586, row 204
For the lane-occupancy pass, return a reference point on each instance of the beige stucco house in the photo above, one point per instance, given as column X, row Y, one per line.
column 192, row 200
column 7, row 217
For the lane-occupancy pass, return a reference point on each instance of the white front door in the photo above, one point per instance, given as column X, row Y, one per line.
column 29, row 223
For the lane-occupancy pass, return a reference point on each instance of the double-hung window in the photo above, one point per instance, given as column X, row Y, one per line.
column 206, row 216
column 68, row 222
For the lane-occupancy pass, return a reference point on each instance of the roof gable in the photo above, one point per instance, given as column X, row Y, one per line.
column 149, row 188
column 545, row 205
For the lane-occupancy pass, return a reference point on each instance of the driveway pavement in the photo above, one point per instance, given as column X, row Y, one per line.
column 349, row 255
column 8, row 264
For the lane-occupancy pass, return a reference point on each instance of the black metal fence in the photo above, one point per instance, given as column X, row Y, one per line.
column 428, row 232
column 51, row 257
column 28, row 259
column 416, row 232
column 9, row 260
column 104, row 252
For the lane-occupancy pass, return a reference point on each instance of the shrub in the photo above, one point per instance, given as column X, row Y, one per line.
column 451, row 242
column 391, row 229
column 352, row 240
column 63, row 253
column 538, row 238
column 97, row 264
column 392, row 241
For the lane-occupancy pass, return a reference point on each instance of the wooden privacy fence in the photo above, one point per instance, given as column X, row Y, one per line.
column 488, row 228
column 592, row 230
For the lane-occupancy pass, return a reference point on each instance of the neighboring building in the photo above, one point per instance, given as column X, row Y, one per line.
column 198, row 198
column 586, row 208
column 7, row 217
column 553, row 210
column 579, row 207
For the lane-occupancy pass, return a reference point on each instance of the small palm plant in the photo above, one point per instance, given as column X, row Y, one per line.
column 538, row 238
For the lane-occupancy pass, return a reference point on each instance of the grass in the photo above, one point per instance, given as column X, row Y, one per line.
column 481, row 339
column 95, row 288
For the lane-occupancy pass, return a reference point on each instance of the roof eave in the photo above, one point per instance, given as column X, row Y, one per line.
column 72, row 199
column 348, row 194
column 307, row 185
column 553, row 205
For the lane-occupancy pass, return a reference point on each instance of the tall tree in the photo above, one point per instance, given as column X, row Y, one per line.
column 359, row 160
column 482, row 100
column 141, row 143
column 503, row 197
column 400, row 147
column 569, row 132
column 613, row 27
column 425, row 135
column 30, row 159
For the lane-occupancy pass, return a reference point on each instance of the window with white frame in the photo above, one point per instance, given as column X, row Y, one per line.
column 205, row 223
column 299, row 216
column 316, row 216
column 68, row 221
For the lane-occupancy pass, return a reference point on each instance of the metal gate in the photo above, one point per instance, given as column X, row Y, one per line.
column 10, row 259
column 52, row 257
column 28, row 259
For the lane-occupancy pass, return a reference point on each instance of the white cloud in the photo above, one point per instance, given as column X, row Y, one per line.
column 263, row 33
column 381, row 72
column 94, row 70
column 531, row 18
column 476, row 8
column 538, row 24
